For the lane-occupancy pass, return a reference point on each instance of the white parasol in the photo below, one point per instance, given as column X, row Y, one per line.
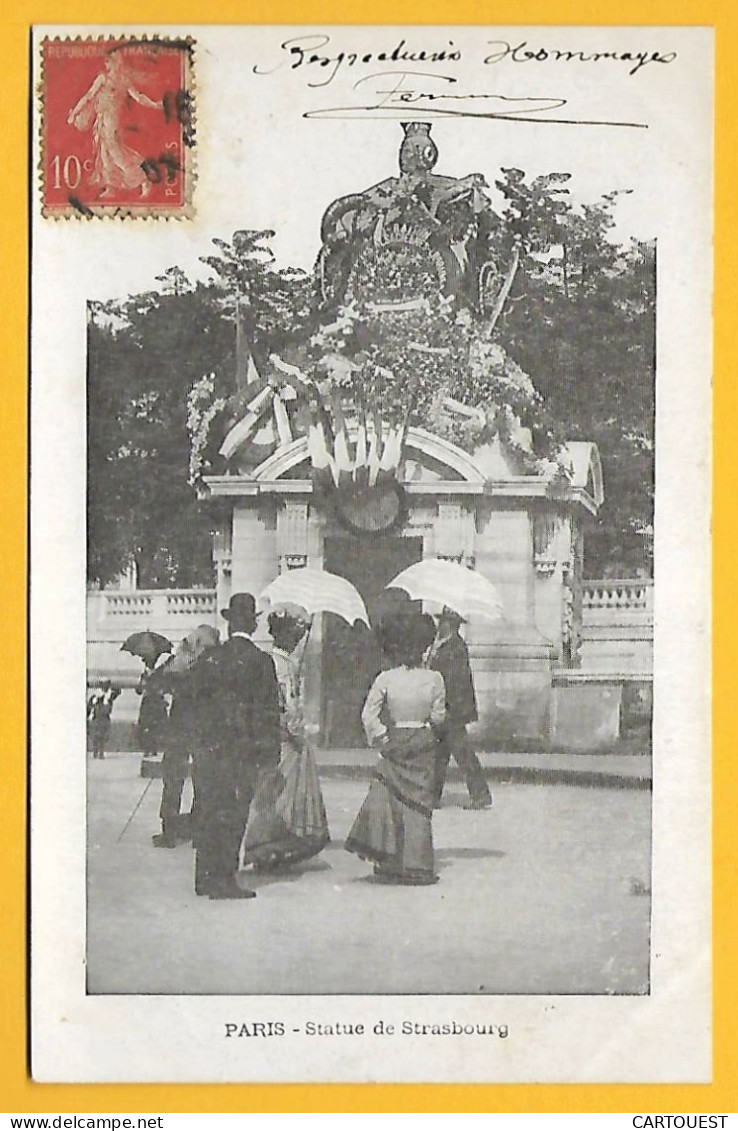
column 464, row 590
column 317, row 591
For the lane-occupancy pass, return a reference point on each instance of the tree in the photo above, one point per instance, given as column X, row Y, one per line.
column 272, row 304
column 140, row 506
column 144, row 355
column 582, row 325
column 563, row 338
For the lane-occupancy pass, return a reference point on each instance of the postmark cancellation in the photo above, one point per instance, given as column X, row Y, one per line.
column 117, row 127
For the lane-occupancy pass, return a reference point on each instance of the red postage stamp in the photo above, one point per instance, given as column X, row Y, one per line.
column 117, row 127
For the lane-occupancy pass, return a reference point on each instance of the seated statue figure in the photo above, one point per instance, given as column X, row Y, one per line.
column 446, row 215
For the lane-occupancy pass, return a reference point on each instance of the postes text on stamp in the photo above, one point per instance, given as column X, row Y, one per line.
column 117, row 127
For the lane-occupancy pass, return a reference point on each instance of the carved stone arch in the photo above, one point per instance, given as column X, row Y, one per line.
column 595, row 470
column 445, row 453
column 586, row 469
column 419, row 443
column 283, row 461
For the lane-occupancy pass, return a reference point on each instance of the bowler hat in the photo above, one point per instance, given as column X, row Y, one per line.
column 241, row 607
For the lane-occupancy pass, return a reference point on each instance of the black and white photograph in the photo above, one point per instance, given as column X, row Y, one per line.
column 370, row 560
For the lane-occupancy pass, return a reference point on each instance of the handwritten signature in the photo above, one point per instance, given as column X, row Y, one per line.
column 392, row 94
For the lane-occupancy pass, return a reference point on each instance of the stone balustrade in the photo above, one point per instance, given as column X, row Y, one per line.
column 137, row 605
column 617, row 630
column 191, row 602
column 149, row 608
column 114, row 614
column 617, row 627
column 616, row 657
column 631, row 595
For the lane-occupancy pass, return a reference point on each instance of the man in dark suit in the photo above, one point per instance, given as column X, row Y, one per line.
column 450, row 656
column 237, row 705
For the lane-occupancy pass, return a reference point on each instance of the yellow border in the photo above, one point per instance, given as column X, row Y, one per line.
column 18, row 1093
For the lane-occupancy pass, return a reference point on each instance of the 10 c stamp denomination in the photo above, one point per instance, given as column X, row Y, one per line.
column 117, row 127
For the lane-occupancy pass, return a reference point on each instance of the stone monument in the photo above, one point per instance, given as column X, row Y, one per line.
column 401, row 430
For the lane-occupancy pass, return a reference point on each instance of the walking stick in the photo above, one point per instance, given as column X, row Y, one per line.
column 136, row 808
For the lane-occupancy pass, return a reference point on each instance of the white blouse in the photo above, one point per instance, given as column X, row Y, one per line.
column 411, row 695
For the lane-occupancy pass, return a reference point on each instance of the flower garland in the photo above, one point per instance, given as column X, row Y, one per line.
column 409, row 360
column 203, row 407
column 394, row 272
column 406, row 362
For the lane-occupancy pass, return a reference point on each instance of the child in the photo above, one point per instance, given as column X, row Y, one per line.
column 99, row 710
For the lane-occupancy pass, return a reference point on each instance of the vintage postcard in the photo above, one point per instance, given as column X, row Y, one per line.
column 371, row 376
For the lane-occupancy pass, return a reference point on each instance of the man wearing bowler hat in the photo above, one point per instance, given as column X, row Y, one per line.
column 449, row 656
column 238, row 706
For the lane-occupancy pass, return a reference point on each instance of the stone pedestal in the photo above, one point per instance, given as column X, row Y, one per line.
column 585, row 714
column 511, row 659
column 512, row 679
column 254, row 554
column 483, row 513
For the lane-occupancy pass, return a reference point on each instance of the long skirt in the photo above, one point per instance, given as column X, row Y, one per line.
column 152, row 723
column 393, row 826
column 287, row 821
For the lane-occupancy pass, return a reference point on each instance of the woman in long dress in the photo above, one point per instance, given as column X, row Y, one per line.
column 287, row 820
column 116, row 165
column 404, row 705
column 153, row 712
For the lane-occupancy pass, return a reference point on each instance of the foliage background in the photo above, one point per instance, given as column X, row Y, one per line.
column 578, row 320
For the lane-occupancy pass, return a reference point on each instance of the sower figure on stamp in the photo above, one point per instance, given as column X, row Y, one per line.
column 237, row 700
column 100, row 109
column 449, row 656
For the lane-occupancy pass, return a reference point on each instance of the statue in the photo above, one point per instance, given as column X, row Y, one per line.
column 412, row 278
column 408, row 236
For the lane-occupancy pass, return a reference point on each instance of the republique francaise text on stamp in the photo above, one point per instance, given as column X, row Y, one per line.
column 117, row 127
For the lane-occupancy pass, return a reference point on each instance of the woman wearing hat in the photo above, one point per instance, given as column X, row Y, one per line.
column 153, row 711
column 287, row 821
column 404, row 706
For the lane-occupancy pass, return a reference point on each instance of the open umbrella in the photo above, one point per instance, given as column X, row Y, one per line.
column 317, row 591
column 464, row 590
column 147, row 645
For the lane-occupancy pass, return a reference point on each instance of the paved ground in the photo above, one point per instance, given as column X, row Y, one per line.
column 541, row 894
column 618, row 769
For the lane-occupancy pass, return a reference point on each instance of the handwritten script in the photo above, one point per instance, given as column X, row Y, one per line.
column 394, row 94
column 316, row 55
